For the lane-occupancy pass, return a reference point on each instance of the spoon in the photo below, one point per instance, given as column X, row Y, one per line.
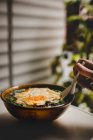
column 71, row 88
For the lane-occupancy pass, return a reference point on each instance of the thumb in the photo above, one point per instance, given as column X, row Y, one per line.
column 84, row 71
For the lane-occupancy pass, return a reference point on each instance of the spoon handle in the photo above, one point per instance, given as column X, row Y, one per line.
column 70, row 89
column 74, row 82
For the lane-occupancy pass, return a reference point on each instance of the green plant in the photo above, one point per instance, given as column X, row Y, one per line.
column 80, row 44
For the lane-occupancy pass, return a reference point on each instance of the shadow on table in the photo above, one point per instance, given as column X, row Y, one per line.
column 29, row 130
column 12, row 129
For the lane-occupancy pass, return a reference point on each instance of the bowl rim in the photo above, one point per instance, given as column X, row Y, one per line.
column 34, row 108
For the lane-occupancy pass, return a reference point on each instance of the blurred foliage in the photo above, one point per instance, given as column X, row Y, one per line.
column 57, row 68
column 79, row 41
column 79, row 28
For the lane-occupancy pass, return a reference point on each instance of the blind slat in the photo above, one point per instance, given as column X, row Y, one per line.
column 42, row 12
column 48, row 3
column 34, row 22
column 3, row 59
column 3, row 47
column 26, row 67
column 48, row 79
column 31, row 77
column 4, row 72
column 33, row 33
column 24, row 57
column 3, row 33
column 3, row 20
column 35, row 45
column 3, row 7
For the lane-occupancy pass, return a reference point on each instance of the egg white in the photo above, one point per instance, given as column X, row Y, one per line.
column 37, row 96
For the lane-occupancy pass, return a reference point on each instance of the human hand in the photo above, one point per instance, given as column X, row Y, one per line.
column 86, row 73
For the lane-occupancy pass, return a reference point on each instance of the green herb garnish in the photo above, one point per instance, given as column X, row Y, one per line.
column 18, row 91
column 61, row 101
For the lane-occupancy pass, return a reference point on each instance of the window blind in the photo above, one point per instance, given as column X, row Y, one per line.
column 4, row 61
column 37, row 36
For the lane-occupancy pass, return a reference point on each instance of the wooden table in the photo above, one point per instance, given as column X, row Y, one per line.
column 74, row 124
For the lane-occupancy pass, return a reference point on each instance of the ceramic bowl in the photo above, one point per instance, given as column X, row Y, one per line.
column 36, row 113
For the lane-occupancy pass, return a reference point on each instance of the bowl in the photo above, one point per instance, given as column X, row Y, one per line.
column 36, row 113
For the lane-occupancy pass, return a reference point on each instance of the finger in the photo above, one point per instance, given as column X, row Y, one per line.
column 85, row 82
column 87, row 63
column 84, row 71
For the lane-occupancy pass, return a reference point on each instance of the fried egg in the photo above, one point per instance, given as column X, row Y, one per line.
column 37, row 96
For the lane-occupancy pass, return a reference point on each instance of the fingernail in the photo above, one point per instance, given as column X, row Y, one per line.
column 83, row 63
